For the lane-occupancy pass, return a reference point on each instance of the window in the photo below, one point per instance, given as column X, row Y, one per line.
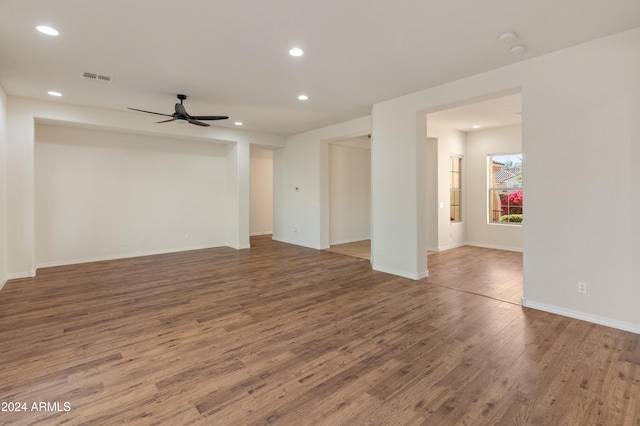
column 455, row 188
column 505, row 188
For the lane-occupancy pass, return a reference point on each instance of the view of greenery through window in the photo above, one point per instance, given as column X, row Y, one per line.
column 505, row 188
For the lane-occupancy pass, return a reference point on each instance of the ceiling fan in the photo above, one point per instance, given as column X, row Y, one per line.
column 182, row 116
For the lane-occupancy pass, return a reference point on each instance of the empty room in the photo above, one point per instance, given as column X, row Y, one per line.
column 174, row 178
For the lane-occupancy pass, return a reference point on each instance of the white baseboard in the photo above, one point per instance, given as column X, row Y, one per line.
column 333, row 243
column 595, row 319
column 492, row 246
column 240, row 247
column 16, row 277
column 256, row 234
column 122, row 256
column 20, row 275
column 482, row 245
column 403, row 274
column 295, row 243
column 449, row 247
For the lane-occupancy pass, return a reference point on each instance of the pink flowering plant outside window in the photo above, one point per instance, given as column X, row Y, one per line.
column 512, row 203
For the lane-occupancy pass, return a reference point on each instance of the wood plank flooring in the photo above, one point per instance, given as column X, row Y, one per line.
column 280, row 334
column 361, row 249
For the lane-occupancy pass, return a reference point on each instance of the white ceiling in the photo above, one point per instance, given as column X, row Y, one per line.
column 498, row 112
column 230, row 57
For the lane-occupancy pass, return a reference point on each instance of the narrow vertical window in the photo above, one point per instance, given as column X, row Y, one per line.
column 505, row 188
column 455, row 188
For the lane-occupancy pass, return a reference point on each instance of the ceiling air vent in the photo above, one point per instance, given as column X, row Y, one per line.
column 96, row 77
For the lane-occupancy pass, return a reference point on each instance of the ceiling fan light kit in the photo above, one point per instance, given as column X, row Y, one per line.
column 181, row 116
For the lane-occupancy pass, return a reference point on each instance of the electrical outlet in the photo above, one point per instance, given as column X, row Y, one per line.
column 582, row 287
column 295, row 230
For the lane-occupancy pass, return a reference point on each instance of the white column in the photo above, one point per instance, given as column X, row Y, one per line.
column 237, row 203
column 398, row 169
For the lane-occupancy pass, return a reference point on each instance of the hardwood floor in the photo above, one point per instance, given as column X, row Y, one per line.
column 501, row 272
column 361, row 249
column 279, row 334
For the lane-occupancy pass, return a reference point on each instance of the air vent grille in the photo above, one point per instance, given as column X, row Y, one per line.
column 97, row 77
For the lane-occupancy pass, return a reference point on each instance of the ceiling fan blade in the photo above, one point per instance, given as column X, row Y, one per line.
column 151, row 112
column 198, row 123
column 209, row 117
column 166, row 121
column 181, row 111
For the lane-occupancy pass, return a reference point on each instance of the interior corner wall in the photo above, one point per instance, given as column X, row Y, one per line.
column 301, row 184
column 22, row 115
column 580, row 107
column 104, row 195
column 450, row 142
column 3, row 187
column 261, row 204
column 350, row 194
column 480, row 144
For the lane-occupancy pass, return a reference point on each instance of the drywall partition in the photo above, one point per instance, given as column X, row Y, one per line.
column 103, row 195
column 580, row 113
column 433, row 206
column 301, row 184
column 580, row 108
column 20, row 195
column 450, row 142
column 349, row 193
column 399, row 188
column 237, row 202
column 480, row 144
column 261, row 189
column 21, row 117
column 3, row 187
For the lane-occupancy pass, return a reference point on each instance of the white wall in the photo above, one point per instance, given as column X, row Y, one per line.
column 302, row 216
column 450, row 142
column 481, row 143
column 21, row 117
column 580, row 109
column 349, row 193
column 103, row 195
column 433, row 208
column 3, row 187
column 261, row 209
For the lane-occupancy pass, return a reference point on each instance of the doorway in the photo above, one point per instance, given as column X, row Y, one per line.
column 261, row 191
column 458, row 220
column 349, row 162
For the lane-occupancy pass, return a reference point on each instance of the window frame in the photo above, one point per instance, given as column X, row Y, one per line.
column 492, row 189
column 455, row 189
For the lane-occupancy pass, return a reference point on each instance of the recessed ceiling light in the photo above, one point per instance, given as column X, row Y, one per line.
column 238, row 123
column 303, row 97
column 52, row 93
column 476, row 126
column 296, row 51
column 517, row 49
column 44, row 29
column 507, row 37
